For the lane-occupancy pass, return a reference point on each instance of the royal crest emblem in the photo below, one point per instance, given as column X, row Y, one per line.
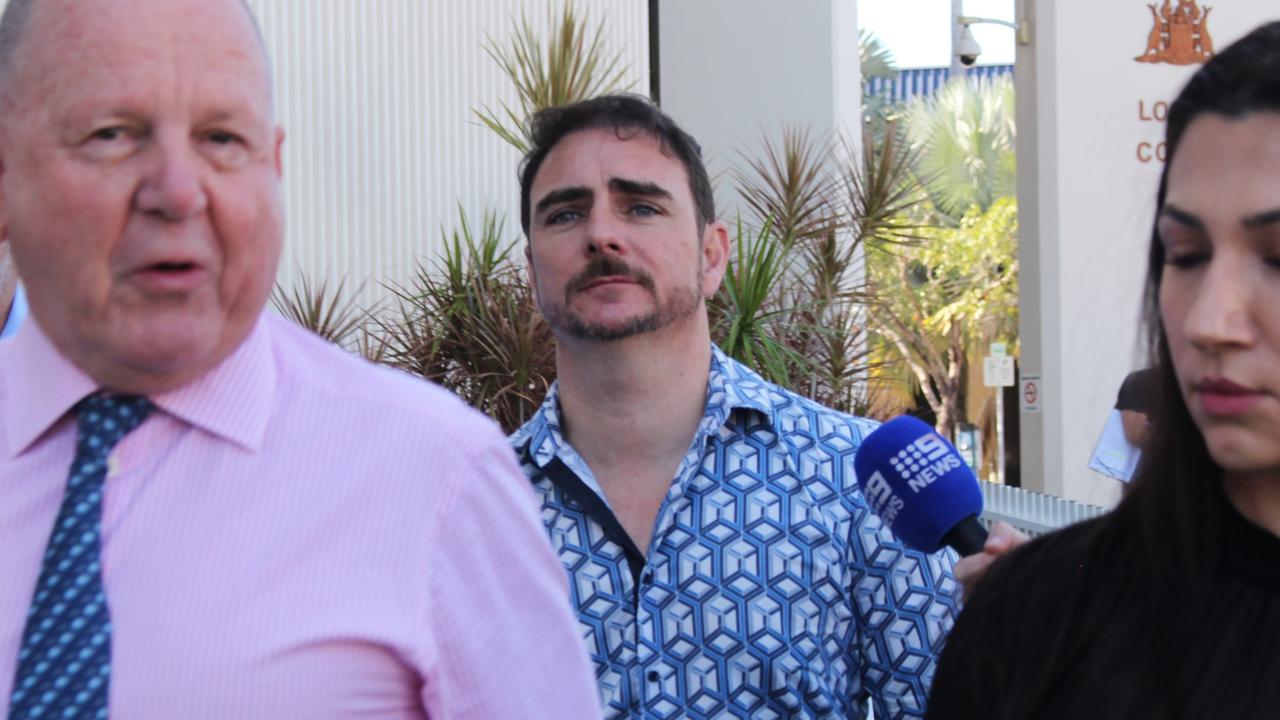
column 1179, row 36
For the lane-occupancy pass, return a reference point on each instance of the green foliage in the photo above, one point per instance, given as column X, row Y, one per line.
column 571, row 65
column 751, row 321
column 791, row 188
column 876, row 62
column 469, row 323
column 961, row 155
column 939, row 299
column 875, row 59
column 326, row 313
column 964, row 137
column 882, row 195
column 793, row 300
column 973, row 273
column 959, row 277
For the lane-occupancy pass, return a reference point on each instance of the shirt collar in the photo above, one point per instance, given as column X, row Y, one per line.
column 232, row 401
column 730, row 386
column 734, row 386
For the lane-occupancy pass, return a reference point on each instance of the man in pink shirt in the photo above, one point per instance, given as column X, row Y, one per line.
column 205, row 512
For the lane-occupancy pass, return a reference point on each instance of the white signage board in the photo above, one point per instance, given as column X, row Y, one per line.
column 997, row 371
column 1029, row 393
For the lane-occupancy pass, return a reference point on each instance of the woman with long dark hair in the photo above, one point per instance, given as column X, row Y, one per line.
column 1169, row 606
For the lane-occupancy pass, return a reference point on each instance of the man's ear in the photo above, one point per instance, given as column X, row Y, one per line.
column 715, row 256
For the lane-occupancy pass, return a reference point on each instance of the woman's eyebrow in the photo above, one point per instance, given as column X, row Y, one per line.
column 1267, row 217
column 1182, row 216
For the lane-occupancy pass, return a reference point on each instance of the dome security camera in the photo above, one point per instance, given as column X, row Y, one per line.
column 968, row 49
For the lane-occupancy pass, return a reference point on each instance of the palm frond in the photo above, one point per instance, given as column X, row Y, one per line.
column 749, row 321
column 874, row 57
column 792, row 184
column 571, row 64
column 964, row 138
column 327, row 313
column 468, row 322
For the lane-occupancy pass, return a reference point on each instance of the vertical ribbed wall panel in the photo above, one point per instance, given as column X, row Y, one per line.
column 376, row 98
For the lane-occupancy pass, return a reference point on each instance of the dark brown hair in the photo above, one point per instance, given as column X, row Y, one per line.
column 625, row 114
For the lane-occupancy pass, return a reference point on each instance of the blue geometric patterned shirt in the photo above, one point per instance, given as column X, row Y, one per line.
column 768, row 590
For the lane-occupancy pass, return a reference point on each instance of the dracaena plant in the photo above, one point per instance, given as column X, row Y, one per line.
column 794, row 300
column 468, row 322
column 571, row 64
column 329, row 313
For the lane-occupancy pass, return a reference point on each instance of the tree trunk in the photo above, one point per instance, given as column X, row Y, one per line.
column 947, row 411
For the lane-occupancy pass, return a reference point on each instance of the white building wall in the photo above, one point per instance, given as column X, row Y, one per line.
column 376, row 98
column 735, row 71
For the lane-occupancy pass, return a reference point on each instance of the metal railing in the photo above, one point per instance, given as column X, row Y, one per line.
column 1032, row 512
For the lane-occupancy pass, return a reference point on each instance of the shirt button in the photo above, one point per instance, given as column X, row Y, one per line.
column 653, row 676
column 646, row 577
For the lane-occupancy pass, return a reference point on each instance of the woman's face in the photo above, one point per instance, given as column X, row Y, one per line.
column 1220, row 291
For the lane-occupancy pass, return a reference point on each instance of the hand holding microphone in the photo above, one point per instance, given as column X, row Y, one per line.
column 922, row 489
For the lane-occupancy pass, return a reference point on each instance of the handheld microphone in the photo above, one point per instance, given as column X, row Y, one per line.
column 920, row 487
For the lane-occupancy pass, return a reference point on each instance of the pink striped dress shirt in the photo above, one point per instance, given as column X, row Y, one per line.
column 298, row 534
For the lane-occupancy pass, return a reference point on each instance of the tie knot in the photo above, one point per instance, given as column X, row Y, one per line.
column 102, row 420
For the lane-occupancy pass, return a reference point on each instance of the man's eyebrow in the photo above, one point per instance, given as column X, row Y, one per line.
column 1182, row 216
column 1269, row 217
column 638, row 187
column 560, row 195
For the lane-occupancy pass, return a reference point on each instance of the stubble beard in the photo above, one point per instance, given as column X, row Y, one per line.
column 680, row 305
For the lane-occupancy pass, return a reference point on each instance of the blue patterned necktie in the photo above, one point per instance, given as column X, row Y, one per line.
column 64, row 666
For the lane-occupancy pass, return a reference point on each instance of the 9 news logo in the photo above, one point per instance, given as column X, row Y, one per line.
column 924, row 461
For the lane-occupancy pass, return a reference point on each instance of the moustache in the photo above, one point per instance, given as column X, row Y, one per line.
column 608, row 266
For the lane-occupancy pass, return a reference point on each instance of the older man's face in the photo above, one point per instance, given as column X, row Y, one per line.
column 139, row 173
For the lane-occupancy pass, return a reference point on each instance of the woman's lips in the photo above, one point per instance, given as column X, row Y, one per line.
column 1224, row 398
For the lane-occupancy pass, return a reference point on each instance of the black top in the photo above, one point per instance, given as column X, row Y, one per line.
column 1158, row 656
column 1138, row 392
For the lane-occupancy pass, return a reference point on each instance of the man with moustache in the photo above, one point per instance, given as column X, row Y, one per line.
column 722, row 560
column 204, row 511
